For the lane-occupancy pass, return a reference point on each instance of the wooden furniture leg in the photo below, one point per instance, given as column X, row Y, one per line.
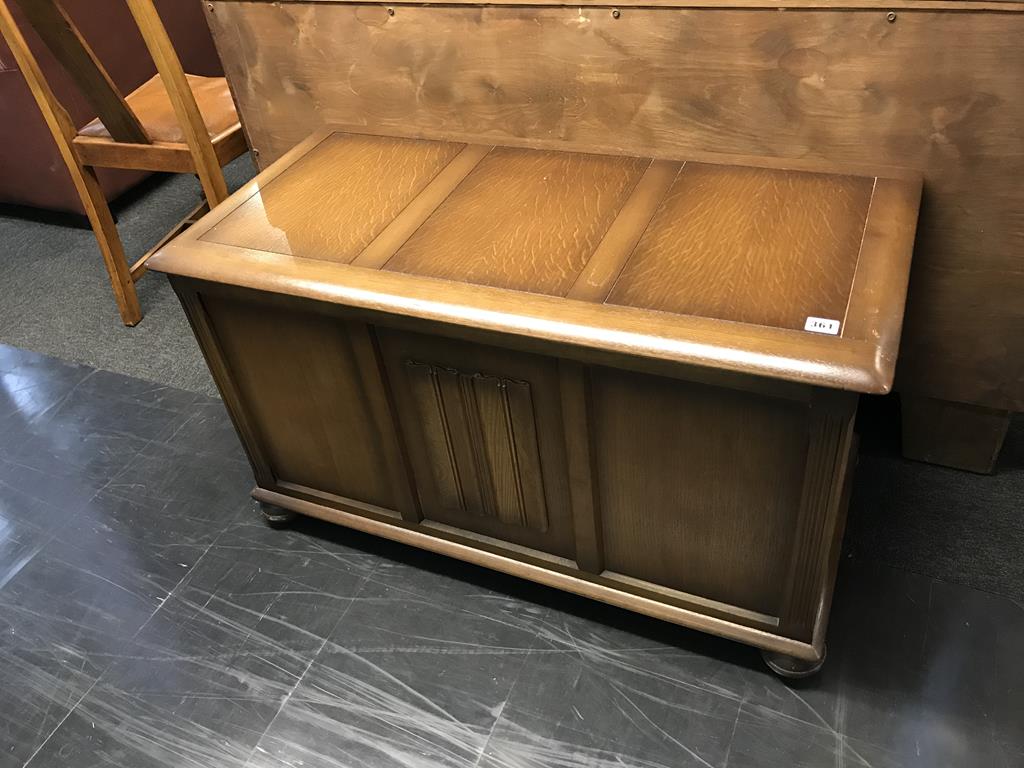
column 83, row 176
column 103, row 226
column 953, row 434
column 791, row 667
column 119, row 137
column 276, row 517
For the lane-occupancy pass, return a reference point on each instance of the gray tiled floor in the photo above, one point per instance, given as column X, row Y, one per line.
column 149, row 618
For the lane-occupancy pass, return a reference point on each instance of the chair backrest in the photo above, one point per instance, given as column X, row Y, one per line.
column 60, row 35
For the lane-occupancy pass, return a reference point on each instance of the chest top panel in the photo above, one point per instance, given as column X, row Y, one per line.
column 752, row 245
column 657, row 238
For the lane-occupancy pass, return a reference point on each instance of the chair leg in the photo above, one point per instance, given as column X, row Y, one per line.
column 84, row 177
column 111, row 248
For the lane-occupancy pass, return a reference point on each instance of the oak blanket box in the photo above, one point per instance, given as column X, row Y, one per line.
column 631, row 378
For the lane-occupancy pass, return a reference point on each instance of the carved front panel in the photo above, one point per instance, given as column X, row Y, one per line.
column 482, row 427
column 481, row 438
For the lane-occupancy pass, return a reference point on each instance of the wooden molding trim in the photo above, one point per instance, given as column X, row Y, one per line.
column 550, row 575
column 783, row 354
column 219, row 369
column 583, row 494
column 384, row 246
column 1003, row 6
column 862, row 360
column 598, row 277
column 822, row 500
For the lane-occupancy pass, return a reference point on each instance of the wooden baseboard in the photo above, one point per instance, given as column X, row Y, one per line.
column 579, row 583
column 952, row 434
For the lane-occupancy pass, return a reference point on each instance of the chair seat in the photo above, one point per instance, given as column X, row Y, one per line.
column 152, row 105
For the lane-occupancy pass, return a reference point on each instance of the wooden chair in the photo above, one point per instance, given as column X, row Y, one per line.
column 173, row 123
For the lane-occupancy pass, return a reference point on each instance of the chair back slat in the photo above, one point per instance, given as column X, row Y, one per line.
column 60, row 35
column 168, row 65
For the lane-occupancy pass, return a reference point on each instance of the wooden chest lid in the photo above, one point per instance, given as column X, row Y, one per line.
column 720, row 266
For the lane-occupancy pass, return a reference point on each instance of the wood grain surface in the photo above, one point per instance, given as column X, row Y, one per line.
column 688, row 475
column 523, row 220
column 319, row 214
column 591, row 243
column 296, row 370
column 884, row 5
column 487, row 458
column 753, row 245
column 698, row 502
column 824, row 88
column 619, row 242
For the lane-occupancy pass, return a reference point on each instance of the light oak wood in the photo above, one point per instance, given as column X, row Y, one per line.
column 598, row 276
column 483, row 439
column 689, row 475
column 694, row 468
column 332, row 446
column 537, row 193
column 194, row 126
column 159, row 156
column 139, row 267
column 930, row 5
column 267, row 209
column 173, row 123
column 282, row 220
column 412, row 217
column 153, row 103
column 82, row 176
column 803, row 84
column 577, row 402
column 728, row 231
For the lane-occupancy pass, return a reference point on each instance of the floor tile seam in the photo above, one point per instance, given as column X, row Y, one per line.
column 52, row 407
column 639, row 711
column 504, row 705
column 411, row 593
column 302, row 676
column 287, row 698
column 323, row 640
column 356, row 596
column 62, row 720
column 438, row 650
column 174, row 590
column 296, row 552
column 732, row 736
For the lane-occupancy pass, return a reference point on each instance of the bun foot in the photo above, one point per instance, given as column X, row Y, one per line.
column 276, row 517
column 791, row 667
